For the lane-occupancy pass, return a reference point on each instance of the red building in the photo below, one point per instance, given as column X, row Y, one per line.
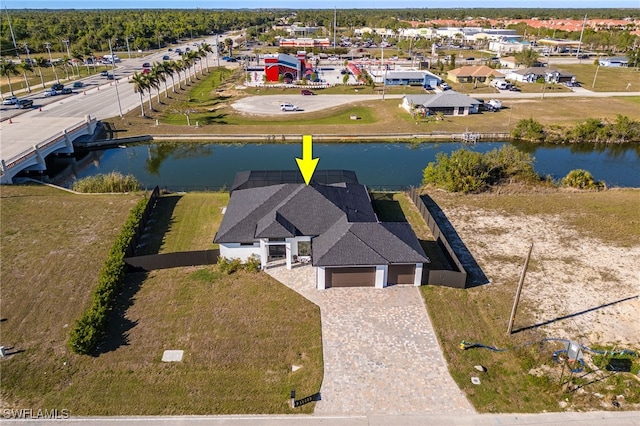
column 288, row 66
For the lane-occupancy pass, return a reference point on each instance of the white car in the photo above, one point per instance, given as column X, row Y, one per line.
column 50, row 92
column 11, row 100
column 289, row 107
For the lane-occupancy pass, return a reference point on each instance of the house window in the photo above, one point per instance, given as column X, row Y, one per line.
column 304, row 248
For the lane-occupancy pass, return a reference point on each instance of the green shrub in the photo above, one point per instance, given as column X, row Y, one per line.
column 229, row 266
column 252, row 264
column 528, row 129
column 88, row 330
column 110, row 182
column 469, row 171
column 463, row 171
column 581, row 179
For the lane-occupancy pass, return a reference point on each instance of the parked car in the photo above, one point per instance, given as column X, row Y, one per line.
column 306, row 92
column 50, row 92
column 513, row 88
column 11, row 100
column 444, row 86
column 58, row 86
column 78, row 84
column 24, row 103
column 289, row 107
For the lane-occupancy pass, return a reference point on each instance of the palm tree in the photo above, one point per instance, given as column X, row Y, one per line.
column 205, row 48
column 139, row 82
column 40, row 63
column 79, row 57
column 171, row 69
column 62, row 63
column 26, row 66
column 7, row 69
column 152, row 83
column 187, row 66
column 156, row 75
column 161, row 69
column 193, row 56
column 181, row 66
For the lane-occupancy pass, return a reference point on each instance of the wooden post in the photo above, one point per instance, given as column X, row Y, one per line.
column 518, row 291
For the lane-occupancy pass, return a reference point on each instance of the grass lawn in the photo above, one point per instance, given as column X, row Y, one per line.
column 607, row 79
column 479, row 314
column 241, row 333
column 208, row 102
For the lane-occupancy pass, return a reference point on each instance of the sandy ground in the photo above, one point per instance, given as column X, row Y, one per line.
column 578, row 288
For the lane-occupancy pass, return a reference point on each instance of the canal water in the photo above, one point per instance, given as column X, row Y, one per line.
column 199, row 166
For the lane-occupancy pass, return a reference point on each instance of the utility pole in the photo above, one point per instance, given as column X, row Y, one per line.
column 218, row 49
column 66, row 42
column 13, row 37
column 115, row 80
column 581, row 33
column 26, row 48
column 594, row 77
column 48, row 46
column 335, row 11
column 128, row 49
column 518, row 291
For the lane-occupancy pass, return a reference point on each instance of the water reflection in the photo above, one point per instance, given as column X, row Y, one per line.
column 159, row 153
column 182, row 165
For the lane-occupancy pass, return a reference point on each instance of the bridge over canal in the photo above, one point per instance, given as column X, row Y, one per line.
column 28, row 139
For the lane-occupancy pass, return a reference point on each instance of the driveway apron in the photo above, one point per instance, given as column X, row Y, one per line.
column 381, row 354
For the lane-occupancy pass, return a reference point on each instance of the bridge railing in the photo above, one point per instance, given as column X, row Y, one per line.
column 31, row 152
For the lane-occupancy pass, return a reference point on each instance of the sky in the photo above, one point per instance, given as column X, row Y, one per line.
column 302, row 4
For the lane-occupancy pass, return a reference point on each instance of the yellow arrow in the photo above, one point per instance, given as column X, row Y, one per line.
column 307, row 164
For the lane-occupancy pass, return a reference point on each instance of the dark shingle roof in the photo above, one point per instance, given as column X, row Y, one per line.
column 368, row 244
column 340, row 217
column 259, row 178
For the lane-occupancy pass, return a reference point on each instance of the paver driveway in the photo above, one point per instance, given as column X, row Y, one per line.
column 381, row 355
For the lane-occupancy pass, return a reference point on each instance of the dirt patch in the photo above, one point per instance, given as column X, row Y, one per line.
column 575, row 287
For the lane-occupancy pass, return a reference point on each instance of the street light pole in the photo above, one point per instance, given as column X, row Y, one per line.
column 128, row 49
column 48, row 46
column 113, row 67
column 66, row 42
column 26, row 48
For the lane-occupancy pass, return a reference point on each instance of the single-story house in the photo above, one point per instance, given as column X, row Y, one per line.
column 474, row 73
column 532, row 74
column 508, row 61
column 411, row 78
column 333, row 226
column 559, row 76
column 614, row 61
column 448, row 103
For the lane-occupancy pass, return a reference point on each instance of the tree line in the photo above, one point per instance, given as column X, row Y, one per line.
column 87, row 31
